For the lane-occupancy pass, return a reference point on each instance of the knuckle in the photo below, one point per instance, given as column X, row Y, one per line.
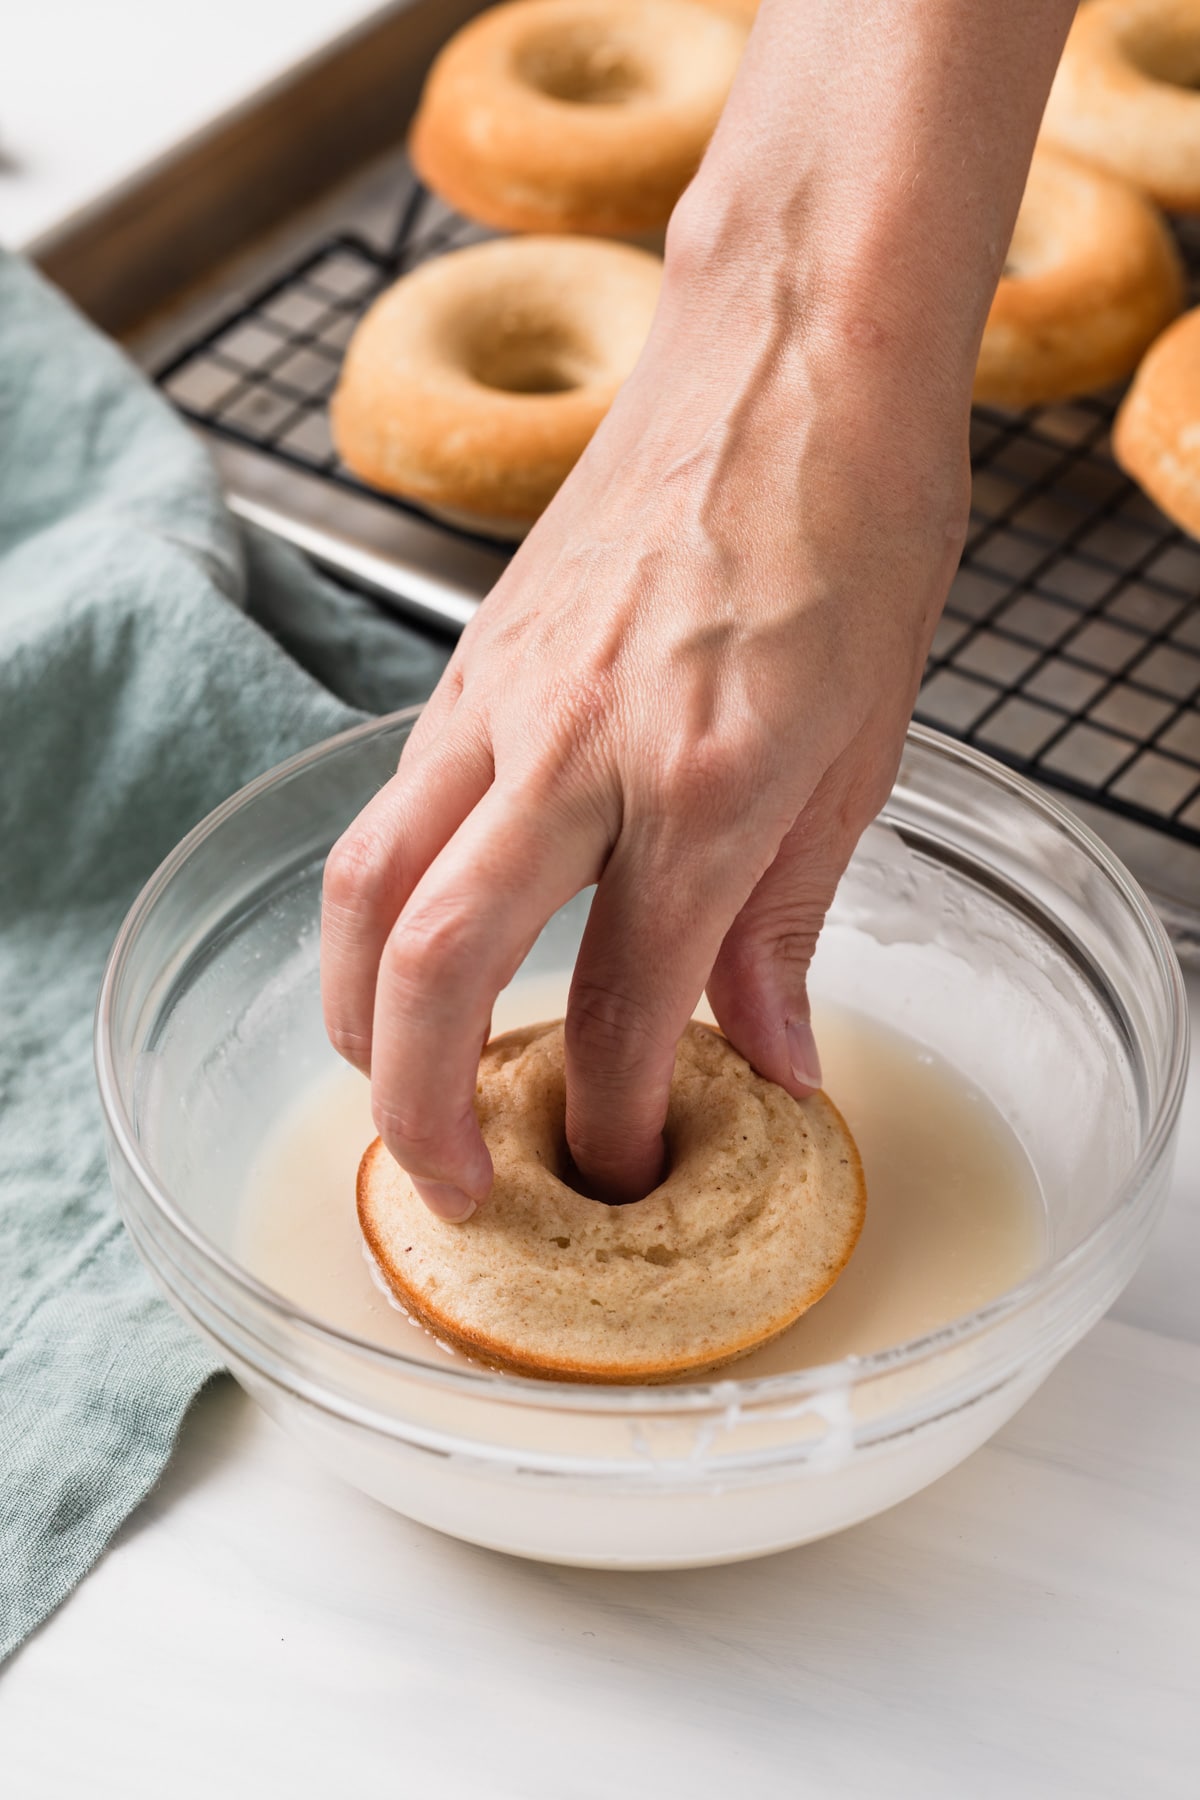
column 608, row 1032
column 358, row 874
column 792, row 947
column 795, row 916
column 719, row 775
column 416, row 1140
column 704, row 778
column 582, row 698
column 429, row 941
column 780, row 925
column 399, row 1125
column 430, row 1142
column 786, row 945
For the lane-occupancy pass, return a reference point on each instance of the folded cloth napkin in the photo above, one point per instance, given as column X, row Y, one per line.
column 153, row 658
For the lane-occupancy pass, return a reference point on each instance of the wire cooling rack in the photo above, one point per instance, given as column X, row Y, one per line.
column 262, row 375
column 1070, row 644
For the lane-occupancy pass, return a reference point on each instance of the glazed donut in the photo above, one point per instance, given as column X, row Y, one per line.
column 476, row 381
column 756, row 1218
column 1091, row 278
column 1124, row 96
column 1156, row 437
column 575, row 115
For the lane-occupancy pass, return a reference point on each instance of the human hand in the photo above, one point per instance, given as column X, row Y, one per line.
column 691, row 687
column 692, row 684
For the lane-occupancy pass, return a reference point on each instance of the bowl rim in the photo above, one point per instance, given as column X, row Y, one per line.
column 719, row 1390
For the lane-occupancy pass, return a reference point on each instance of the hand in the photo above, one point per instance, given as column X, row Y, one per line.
column 691, row 687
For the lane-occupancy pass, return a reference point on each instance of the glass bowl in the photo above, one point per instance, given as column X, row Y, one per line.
column 977, row 917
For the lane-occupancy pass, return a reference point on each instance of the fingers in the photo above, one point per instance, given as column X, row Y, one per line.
column 759, row 983
column 758, row 986
column 465, row 930
column 374, row 867
column 651, row 937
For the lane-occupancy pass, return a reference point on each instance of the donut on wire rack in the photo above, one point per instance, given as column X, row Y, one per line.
column 1092, row 277
column 575, row 115
column 474, row 383
column 1125, row 95
column 1156, row 437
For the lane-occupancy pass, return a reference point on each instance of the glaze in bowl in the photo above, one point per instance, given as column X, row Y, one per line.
column 977, row 917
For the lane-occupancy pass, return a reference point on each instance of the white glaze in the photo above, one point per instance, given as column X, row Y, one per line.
column 954, row 1217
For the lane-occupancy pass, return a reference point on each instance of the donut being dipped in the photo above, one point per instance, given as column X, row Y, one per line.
column 1125, row 98
column 575, row 115
column 1091, row 278
column 756, row 1218
column 474, row 383
column 1156, row 436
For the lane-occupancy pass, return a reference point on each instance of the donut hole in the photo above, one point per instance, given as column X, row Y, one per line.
column 530, row 357
column 584, row 69
column 566, row 1171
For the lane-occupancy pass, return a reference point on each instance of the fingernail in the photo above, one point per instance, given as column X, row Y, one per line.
column 802, row 1053
column 447, row 1201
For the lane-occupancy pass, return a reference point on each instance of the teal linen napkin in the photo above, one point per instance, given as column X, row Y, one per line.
column 153, row 657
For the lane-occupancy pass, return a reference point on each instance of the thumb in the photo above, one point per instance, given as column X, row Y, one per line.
column 758, row 988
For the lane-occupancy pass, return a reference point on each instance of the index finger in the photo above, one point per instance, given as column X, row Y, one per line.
column 370, row 874
column 467, row 927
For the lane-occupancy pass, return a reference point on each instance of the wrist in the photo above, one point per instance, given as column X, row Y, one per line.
column 807, row 347
column 865, row 176
column 832, row 282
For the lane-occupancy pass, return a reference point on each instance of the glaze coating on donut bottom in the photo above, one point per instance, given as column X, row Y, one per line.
column 758, row 1214
column 475, row 382
column 1124, row 96
column 1092, row 277
column 575, row 115
column 1156, row 437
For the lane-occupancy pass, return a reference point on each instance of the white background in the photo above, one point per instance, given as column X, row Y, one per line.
column 93, row 90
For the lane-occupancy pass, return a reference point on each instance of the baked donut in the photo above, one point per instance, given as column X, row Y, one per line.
column 1156, row 437
column 1124, row 96
column 475, row 383
column 575, row 115
column 759, row 1212
column 1091, row 278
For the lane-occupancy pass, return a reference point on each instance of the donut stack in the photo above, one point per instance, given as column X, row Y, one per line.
column 475, row 383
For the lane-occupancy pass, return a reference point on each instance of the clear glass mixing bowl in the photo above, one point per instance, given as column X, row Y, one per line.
column 977, row 917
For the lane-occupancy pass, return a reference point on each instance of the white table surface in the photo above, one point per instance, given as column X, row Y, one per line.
column 1030, row 1625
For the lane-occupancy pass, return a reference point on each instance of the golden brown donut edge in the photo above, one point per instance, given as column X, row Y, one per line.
column 494, row 1351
